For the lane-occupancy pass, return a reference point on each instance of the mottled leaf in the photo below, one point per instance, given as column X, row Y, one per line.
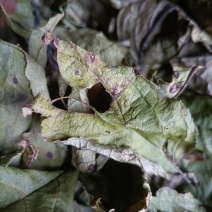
column 169, row 200
column 16, row 184
column 139, row 115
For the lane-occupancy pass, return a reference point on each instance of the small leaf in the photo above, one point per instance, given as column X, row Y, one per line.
column 49, row 156
column 36, row 75
column 37, row 48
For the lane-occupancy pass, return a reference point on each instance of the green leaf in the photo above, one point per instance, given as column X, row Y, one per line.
column 12, row 159
column 203, row 172
column 14, row 94
column 37, row 48
column 110, row 52
column 139, row 116
column 201, row 110
column 56, row 196
column 35, row 73
column 48, row 155
column 16, row 184
column 168, row 200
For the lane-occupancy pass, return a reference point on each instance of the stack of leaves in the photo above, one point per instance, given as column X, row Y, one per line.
column 92, row 124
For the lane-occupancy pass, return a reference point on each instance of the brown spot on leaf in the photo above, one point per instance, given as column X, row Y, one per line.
column 176, row 74
column 76, row 72
column 92, row 58
column 49, row 154
column 15, row 80
column 174, row 88
column 48, row 37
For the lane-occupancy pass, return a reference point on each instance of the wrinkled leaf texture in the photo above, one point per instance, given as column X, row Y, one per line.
column 139, row 115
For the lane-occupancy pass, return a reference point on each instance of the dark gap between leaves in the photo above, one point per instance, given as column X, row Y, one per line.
column 99, row 98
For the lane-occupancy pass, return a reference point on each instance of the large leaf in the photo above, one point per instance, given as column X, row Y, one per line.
column 168, row 200
column 14, row 94
column 56, row 196
column 16, row 184
column 139, row 115
column 21, row 79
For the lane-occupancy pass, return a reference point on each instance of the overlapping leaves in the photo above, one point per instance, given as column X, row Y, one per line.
column 139, row 117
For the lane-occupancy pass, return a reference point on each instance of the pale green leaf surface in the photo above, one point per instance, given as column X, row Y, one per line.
column 35, row 73
column 139, row 115
column 23, row 20
column 16, row 184
column 14, row 94
column 37, row 48
column 110, row 52
column 168, row 200
column 78, row 101
column 84, row 159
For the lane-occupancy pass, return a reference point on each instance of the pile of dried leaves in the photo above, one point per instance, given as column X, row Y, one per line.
column 105, row 105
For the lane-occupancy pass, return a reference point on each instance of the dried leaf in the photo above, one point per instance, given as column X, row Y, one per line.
column 110, row 52
column 139, row 116
column 37, row 48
